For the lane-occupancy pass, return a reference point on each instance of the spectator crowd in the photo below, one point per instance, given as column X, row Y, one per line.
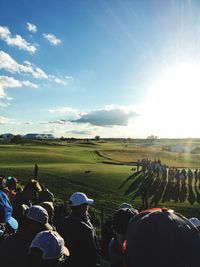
column 31, row 237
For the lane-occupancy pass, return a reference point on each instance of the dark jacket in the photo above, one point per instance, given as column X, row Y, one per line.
column 20, row 205
column 80, row 239
column 14, row 250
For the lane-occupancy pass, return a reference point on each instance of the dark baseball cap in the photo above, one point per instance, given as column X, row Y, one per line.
column 121, row 219
column 162, row 238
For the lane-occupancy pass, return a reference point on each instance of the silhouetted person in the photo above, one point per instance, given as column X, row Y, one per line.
column 36, row 171
column 144, row 195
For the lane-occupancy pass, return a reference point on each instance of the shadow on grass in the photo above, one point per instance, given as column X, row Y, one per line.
column 135, row 184
column 183, row 193
column 191, row 196
column 197, row 194
column 135, row 174
column 158, row 192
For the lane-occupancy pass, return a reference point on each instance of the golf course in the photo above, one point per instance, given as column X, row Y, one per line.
column 102, row 169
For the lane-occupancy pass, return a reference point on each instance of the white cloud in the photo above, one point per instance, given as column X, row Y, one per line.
column 27, row 123
column 63, row 110
column 9, row 82
column 107, row 117
column 61, row 80
column 53, row 40
column 31, row 27
column 30, row 84
column 4, row 120
column 9, row 64
column 4, row 105
column 17, row 41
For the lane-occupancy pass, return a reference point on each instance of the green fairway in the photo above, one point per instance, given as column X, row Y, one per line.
column 68, row 167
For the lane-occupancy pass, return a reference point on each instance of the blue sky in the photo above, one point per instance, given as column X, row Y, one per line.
column 118, row 68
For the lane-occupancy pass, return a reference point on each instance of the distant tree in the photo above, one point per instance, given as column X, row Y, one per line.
column 16, row 139
column 97, row 138
column 152, row 137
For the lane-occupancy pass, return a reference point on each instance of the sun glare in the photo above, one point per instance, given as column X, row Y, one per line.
column 174, row 101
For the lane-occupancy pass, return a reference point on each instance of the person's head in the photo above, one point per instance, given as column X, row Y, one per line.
column 6, row 218
column 125, row 205
column 196, row 222
column 47, row 249
column 2, row 184
column 31, row 189
column 11, row 183
column 36, row 220
column 120, row 222
column 49, row 207
column 79, row 202
column 161, row 237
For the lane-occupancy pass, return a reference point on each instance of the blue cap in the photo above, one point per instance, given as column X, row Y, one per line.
column 6, row 211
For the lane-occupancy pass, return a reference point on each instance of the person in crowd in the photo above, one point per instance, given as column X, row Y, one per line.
column 107, row 230
column 24, row 200
column 190, row 177
column 45, row 195
column 11, row 184
column 35, row 171
column 47, row 250
column 79, row 233
column 8, row 224
column 49, row 207
column 196, row 222
column 125, row 205
column 162, row 238
column 14, row 249
column 143, row 189
column 121, row 219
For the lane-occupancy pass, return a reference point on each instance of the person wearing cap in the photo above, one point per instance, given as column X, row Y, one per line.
column 162, row 238
column 8, row 224
column 49, row 207
column 47, row 250
column 24, row 200
column 108, row 231
column 196, row 222
column 11, row 184
column 14, row 250
column 120, row 222
column 79, row 233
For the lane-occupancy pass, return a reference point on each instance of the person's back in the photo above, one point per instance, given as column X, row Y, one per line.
column 14, row 250
column 23, row 200
column 79, row 235
column 45, row 195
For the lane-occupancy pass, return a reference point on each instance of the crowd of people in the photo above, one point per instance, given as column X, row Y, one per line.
column 30, row 237
column 168, row 173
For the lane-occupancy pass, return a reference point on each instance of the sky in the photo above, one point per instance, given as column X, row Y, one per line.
column 113, row 68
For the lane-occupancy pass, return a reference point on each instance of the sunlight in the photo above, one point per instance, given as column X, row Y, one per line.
column 174, row 100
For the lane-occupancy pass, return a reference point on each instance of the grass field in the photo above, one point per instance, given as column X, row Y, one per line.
column 68, row 167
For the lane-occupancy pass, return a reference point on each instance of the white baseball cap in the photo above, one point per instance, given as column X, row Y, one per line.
column 39, row 214
column 51, row 244
column 78, row 199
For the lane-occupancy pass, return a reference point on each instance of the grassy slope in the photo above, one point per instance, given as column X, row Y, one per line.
column 75, row 167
